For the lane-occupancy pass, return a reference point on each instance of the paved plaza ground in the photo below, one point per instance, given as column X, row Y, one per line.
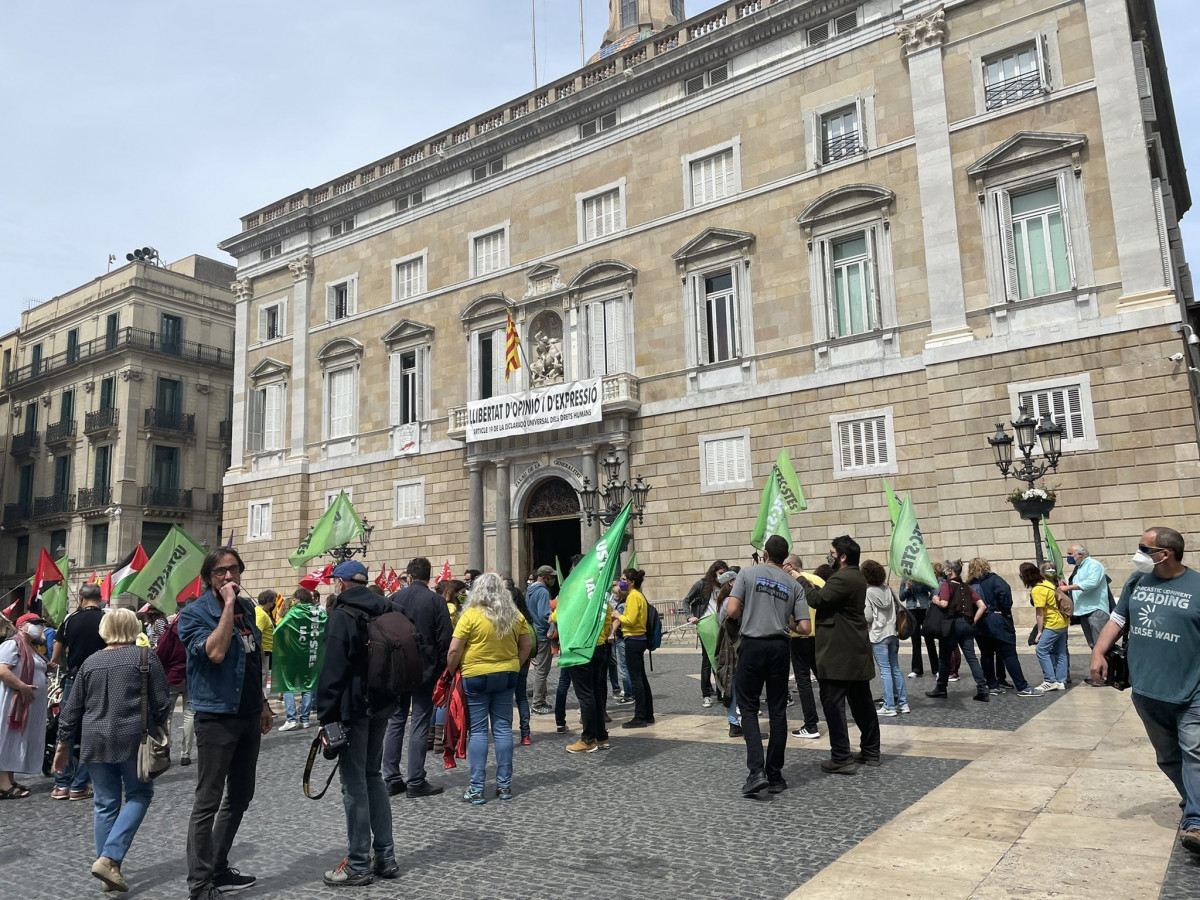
column 1057, row 797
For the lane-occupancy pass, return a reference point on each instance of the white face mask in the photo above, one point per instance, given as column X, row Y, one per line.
column 1143, row 562
column 34, row 632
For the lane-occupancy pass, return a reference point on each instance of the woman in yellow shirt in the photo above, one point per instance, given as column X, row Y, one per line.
column 633, row 625
column 1051, row 627
column 491, row 642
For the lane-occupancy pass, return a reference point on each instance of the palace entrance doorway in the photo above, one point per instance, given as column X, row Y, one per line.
column 552, row 527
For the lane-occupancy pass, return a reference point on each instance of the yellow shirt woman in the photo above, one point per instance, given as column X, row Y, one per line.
column 1043, row 598
column 485, row 651
column 633, row 620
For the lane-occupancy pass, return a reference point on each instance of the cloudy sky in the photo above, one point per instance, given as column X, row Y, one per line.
column 135, row 123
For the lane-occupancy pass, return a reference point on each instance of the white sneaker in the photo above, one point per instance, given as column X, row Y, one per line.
column 289, row 726
column 953, row 678
column 887, row 713
column 904, row 708
column 913, row 675
column 811, row 734
column 706, row 702
column 1050, row 686
column 303, row 724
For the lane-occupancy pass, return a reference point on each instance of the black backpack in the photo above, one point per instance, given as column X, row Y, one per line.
column 399, row 659
column 962, row 601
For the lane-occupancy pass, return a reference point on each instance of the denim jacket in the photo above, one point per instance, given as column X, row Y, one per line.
column 214, row 687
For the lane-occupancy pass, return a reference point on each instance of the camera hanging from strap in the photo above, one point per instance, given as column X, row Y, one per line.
column 316, row 747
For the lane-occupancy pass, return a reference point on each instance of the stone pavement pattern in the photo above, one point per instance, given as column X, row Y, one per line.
column 967, row 804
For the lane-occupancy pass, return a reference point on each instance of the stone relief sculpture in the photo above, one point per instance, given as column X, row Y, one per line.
column 547, row 366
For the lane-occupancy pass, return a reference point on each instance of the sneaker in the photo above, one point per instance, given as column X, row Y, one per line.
column 504, row 792
column 543, row 710
column 916, row 674
column 755, row 782
column 625, row 699
column 343, row 875
column 1190, row 840
column 954, row 677
column 937, row 694
column 833, row 767
column 396, row 788
column 791, row 700
column 735, row 731
column 385, row 868
column 423, row 789
column 887, row 713
column 1004, row 684
column 810, row 733
column 185, row 760
column 778, row 786
column 873, row 761
column 582, row 746
column 1051, row 686
column 60, row 793
column 233, row 880
column 305, row 725
column 289, row 726
column 636, row 723
column 1031, row 692
column 706, row 702
column 475, row 798
column 526, row 740
column 85, row 794
column 904, row 708
column 996, row 691
column 983, row 697
column 603, row 744
column 561, row 729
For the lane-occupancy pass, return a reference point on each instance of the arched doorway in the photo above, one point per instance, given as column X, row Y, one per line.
column 552, row 527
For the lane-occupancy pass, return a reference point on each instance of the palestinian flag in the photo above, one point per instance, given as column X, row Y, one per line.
column 46, row 578
column 118, row 580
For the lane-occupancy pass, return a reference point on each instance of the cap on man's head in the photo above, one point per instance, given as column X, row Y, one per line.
column 350, row 570
column 30, row 617
column 545, row 570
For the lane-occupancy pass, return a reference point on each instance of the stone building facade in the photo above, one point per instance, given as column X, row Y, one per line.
column 117, row 397
column 861, row 231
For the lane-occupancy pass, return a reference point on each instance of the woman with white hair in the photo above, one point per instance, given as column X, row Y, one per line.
column 106, row 705
column 491, row 642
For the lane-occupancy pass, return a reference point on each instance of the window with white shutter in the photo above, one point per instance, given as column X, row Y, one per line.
column 863, row 444
column 713, row 177
column 405, row 388
column 408, row 502
column 273, row 407
column 1015, row 74
column 341, row 300
column 272, row 321
column 725, row 461
column 1067, row 401
column 718, row 326
column 602, row 214
column 254, row 420
column 342, row 388
column 410, row 278
column 258, row 528
column 606, row 336
column 490, row 252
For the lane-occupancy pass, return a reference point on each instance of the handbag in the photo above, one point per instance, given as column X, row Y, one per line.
column 1118, row 663
column 154, row 751
column 938, row 623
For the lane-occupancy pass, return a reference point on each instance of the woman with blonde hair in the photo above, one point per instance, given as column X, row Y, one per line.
column 106, row 706
column 491, row 642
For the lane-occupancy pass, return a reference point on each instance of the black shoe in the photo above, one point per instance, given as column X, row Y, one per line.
column 385, row 868
column 777, row 787
column 984, row 697
column 873, row 761
column 833, row 767
column 561, row 729
column 636, row 723
column 1004, row 684
column 185, row 761
column 735, row 730
column 542, row 709
column 754, row 783
column 232, row 880
column 423, row 789
column 396, row 788
column 937, row 694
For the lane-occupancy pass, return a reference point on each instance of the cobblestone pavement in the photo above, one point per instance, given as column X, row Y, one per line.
column 653, row 817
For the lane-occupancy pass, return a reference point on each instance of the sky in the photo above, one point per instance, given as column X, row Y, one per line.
column 138, row 123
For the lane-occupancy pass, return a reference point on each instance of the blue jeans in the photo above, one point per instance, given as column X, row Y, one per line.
column 1174, row 730
column 560, row 696
column 622, row 668
column 116, row 824
column 364, row 795
column 523, row 698
column 490, row 697
column 75, row 775
column 289, row 706
column 1052, row 654
column 887, row 656
column 732, row 715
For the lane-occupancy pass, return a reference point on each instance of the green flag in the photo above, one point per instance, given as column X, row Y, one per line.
column 338, row 525
column 299, row 649
column 892, row 502
column 907, row 556
column 632, row 561
column 174, row 565
column 707, row 629
column 54, row 598
column 1051, row 544
column 781, row 495
column 558, row 571
column 581, row 610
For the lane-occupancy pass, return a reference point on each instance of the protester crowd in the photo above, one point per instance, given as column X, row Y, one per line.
column 440, row 665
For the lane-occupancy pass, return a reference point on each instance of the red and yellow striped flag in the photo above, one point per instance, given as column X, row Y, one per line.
column 512, row 359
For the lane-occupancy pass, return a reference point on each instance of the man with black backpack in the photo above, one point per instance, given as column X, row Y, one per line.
column 431, row 620
column 346, row 703
column 963, row 608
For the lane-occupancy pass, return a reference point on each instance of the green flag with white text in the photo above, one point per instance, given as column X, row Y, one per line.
column 892, row 502
column 299, row 649
column 1051, row 544
column 174, row 565
column 907, row 556
column 338, row 525
column 581, row 610
column 781, row 495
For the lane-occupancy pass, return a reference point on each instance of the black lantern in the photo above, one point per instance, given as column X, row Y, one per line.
column 1031, row 434
column 1049, row 435
column 613, row 493
column 1025, row 427
column 1002, row 447
column 345, row 552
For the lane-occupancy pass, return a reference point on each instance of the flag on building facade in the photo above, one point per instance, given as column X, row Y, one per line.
column 46, row 579
column 907, row 556
column 781, row 495
column 118, row 580
column 174, row 566
column 299, row 649
column 338, row 525
column 582, row 608
column 512, row 343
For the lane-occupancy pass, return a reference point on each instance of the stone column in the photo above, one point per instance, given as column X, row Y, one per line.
column 922, row 39
column 475, row 518
column 302, row 273
column 200, row 484
column 589, row 533
column 1121, row 126
column 243, row 293
column 503, row 521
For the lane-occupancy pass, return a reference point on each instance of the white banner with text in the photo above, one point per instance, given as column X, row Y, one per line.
column 530, row 412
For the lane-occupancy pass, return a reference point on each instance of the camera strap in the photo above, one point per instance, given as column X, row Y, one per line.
column 308, row 767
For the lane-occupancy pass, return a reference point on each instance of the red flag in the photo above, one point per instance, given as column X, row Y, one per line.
column 191, row 592
column 445, row 574
column 46, row 575
column 8, row 613
column 317, row 576
column 393, row 582
column 381, row 579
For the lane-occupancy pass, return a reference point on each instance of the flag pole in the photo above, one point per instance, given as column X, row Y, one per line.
column 533, row 32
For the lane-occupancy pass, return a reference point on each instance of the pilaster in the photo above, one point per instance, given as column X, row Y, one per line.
column 503, row 520
column 589, row 533
column 475, row 518
column 243, row 293
column 302, row 273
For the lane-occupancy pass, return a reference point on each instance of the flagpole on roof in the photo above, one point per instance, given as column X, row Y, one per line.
column 533, row 33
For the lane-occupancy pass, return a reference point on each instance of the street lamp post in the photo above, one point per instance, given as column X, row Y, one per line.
column 345, row 552
column 1030, row 434
column 613, row 493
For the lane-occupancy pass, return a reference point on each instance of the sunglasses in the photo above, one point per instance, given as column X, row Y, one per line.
column 222, row 571
column 1142, row 548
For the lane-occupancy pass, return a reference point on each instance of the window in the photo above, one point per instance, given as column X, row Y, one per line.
column 416, row 198
column 841, row 134
column 172, row 334
column 58, row 538
column 25, row 485
column 343, row 227
column 1036, row 242
column 1015, row 75
column 270, row 252
column 66, row 406
column 713, row 177
column 697, row 83
column 35, row 359
column 629, row 13
column 72, row 345
column 488, row 169
column 487, row 364
column 851, row 284
column 259, row 526
column 595, row 126
column 7, row 361
column 342, row 402
column 1067, row 401
column 725, row 459
column 341, row 299
column 111, row 327
column 862, row 444
column 264, row 431
column 405, row 387
column 717, row 320
column 153, row 534
column 409, row 499
column 98, row 545
column 489, row 252
column 168, row 395
column 330, row 496
column 272, row 318
column 102, row 474
column 819, row 34
column 603, row 214
column 62, row 475
column 606, row 336
column 410, row 278
column 21, row 562
column 164, row 469
column 31, row 417
column 108, row 392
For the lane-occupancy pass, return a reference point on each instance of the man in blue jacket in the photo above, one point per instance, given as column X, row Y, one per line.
column 224, row 673
column 537, row 598
column 1089, row 594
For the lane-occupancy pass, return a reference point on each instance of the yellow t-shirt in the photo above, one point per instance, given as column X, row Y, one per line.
column 1043, row 598
column 818, row 582
column 609, row 615
column 633, row 620
column 486, row 651
column 262, row 619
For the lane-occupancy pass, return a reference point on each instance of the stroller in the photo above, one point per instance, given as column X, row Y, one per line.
column 53, row 707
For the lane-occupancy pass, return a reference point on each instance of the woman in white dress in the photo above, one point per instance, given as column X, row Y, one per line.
column 22, row 705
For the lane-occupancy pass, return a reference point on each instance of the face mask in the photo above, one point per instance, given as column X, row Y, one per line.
column 623, row 585
column 34, row 632
column 1143, row 562
column 1070, row 560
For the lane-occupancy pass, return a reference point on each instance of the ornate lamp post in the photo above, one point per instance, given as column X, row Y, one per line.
column 613, row 493
column 1033, row 504
column 345, row 552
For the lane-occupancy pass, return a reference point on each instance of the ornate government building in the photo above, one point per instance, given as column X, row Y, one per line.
column 861, row 231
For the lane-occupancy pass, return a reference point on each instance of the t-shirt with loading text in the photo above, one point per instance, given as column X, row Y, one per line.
column 1164, row 636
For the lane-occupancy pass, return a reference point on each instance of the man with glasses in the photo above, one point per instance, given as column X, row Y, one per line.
column 1160, row 607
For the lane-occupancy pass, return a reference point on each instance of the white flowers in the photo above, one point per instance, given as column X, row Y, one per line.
column 1035, row 494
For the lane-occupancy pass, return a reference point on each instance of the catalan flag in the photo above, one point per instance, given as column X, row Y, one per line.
column 512, row 344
